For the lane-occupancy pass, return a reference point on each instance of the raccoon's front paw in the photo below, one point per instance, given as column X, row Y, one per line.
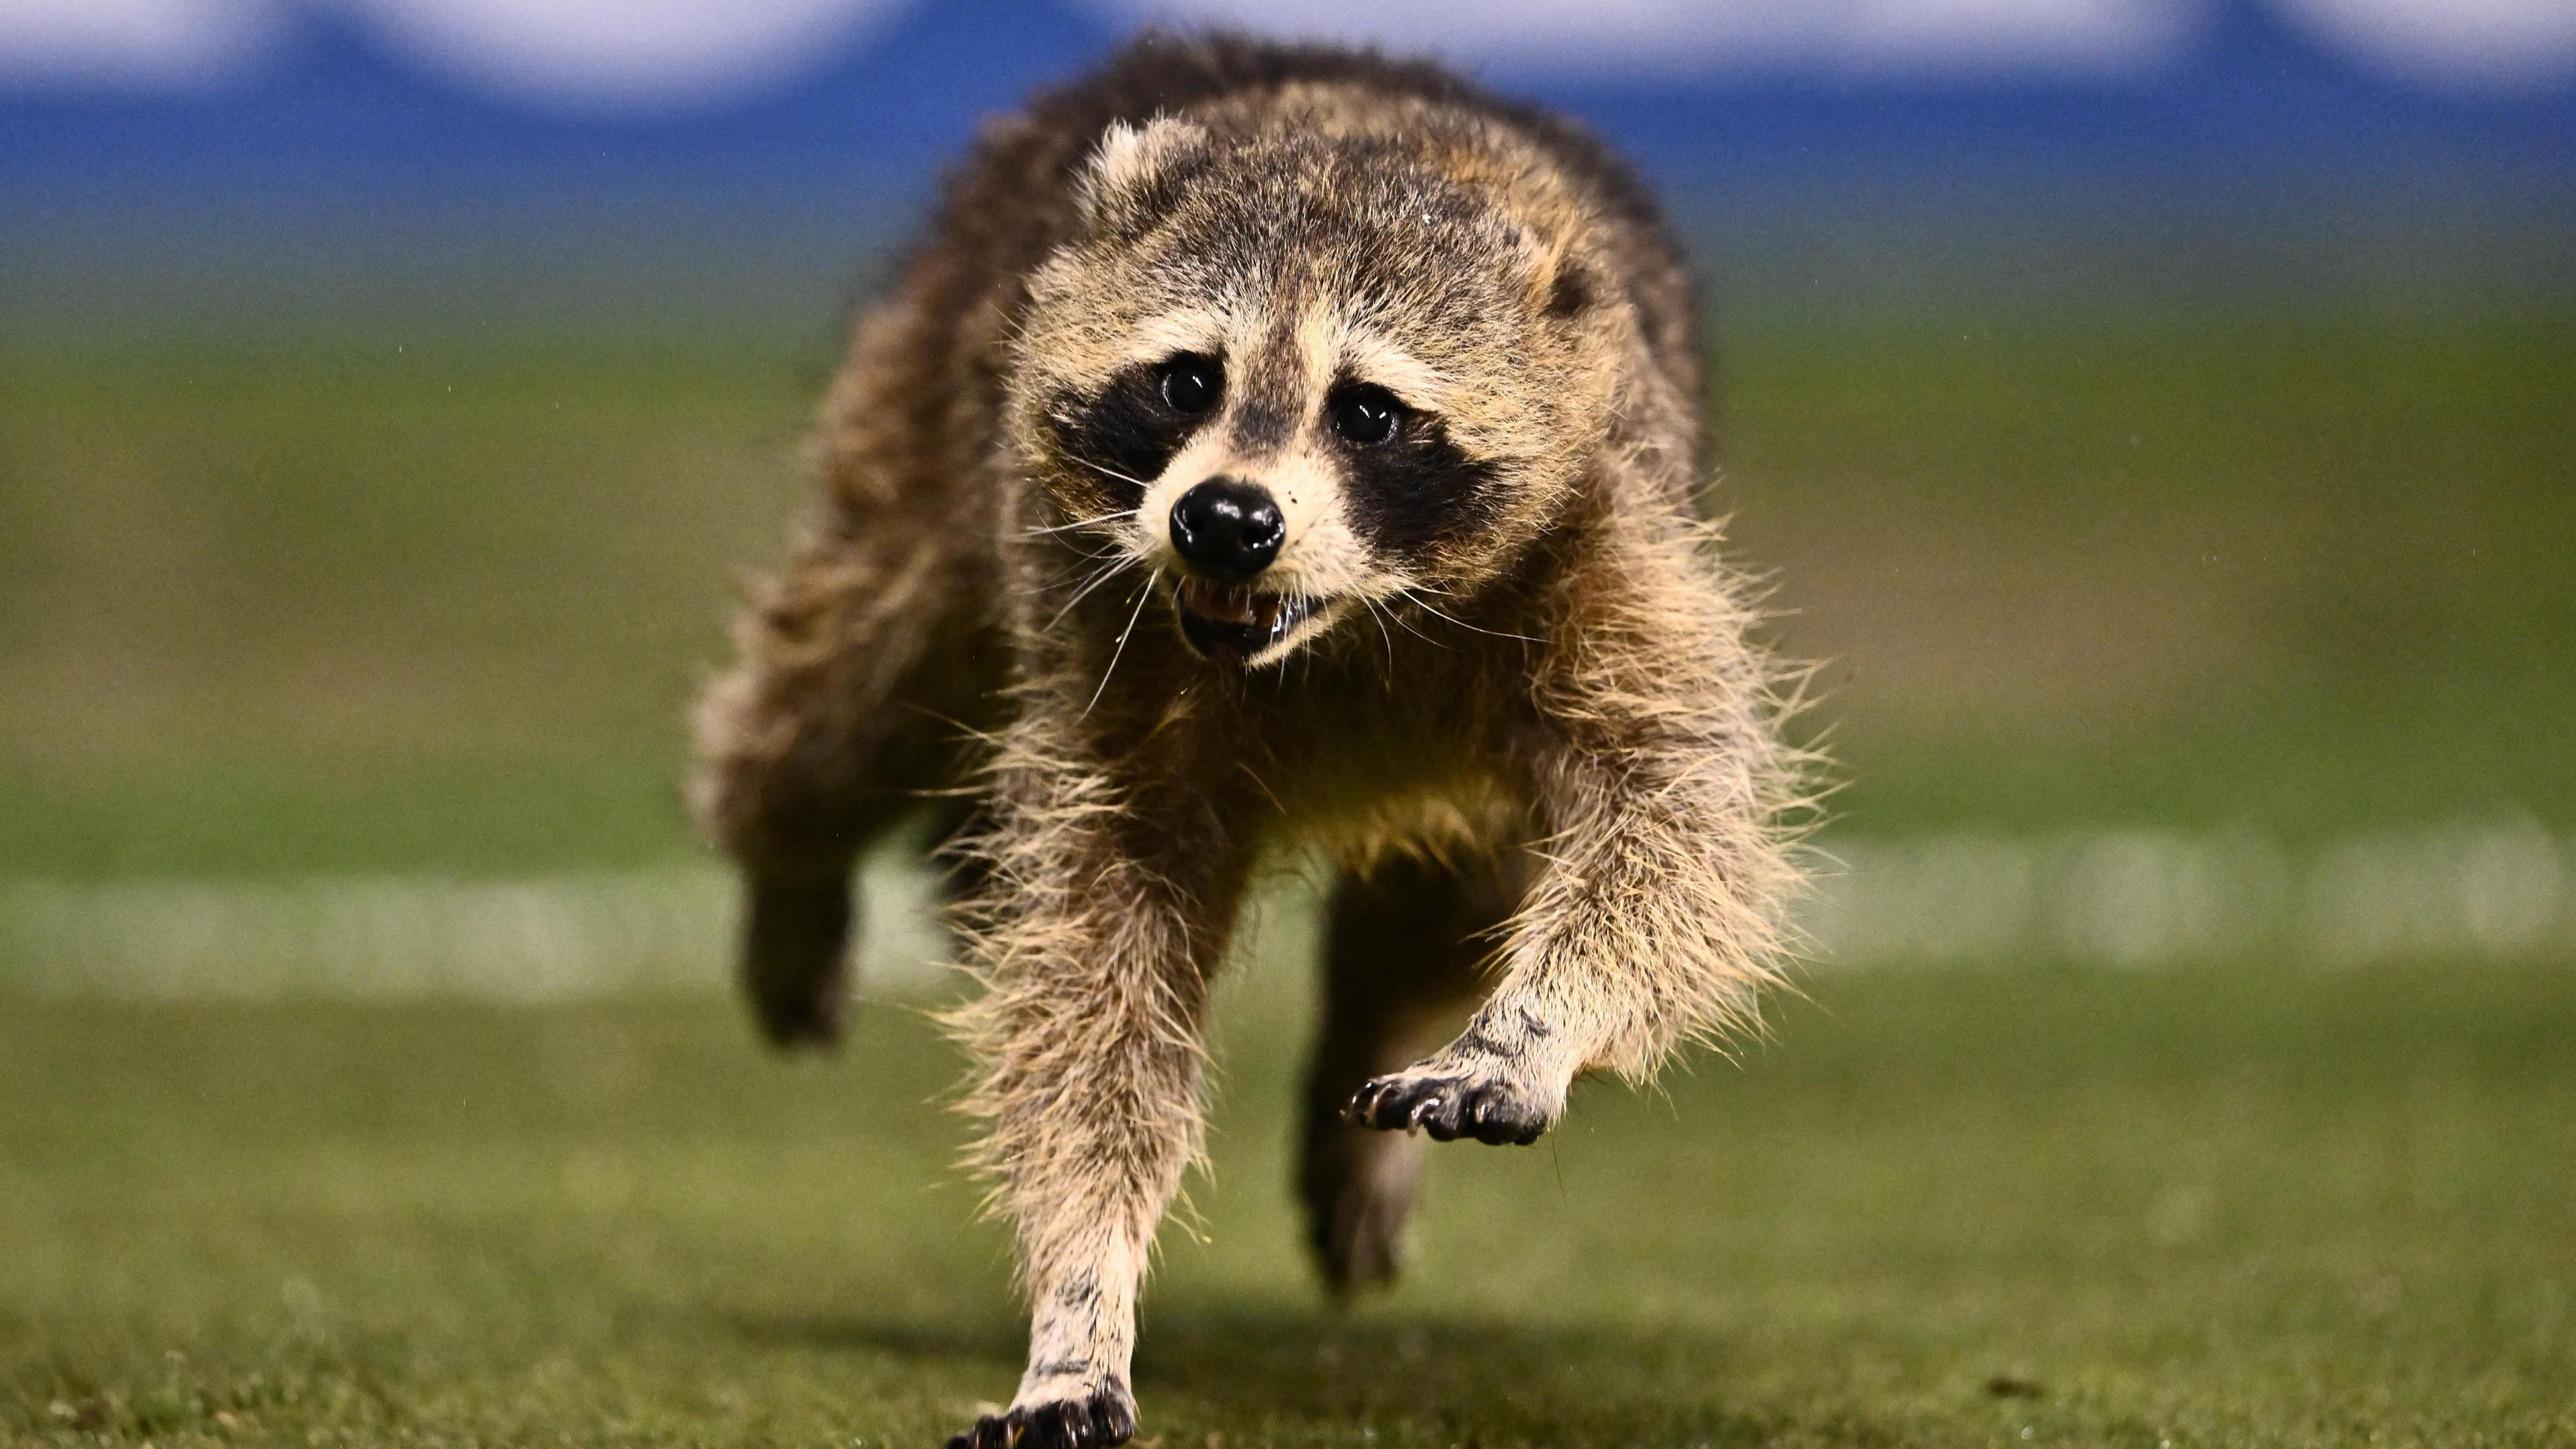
column 1100, row 1420
column 1451, row 1102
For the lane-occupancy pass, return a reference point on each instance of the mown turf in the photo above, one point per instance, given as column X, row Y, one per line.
column 349, row 595
column 2257, row 1206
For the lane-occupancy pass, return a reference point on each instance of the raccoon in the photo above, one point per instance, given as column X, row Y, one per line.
column 1269, row 448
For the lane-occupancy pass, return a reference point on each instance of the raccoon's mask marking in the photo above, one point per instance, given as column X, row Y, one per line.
column 1125, row 436
column 1363, row 346
column 1408, row 488
column 1366, row 488
column 1343, row 492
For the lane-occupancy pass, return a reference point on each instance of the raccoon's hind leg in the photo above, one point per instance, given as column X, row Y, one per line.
column 840, row 721
column 1658, row 780
column 1400, row 962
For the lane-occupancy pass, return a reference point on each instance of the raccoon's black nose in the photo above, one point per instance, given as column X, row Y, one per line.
column 1227, row 528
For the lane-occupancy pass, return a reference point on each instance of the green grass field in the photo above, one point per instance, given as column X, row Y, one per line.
column 282, row 601
column 2254, row 1207
column 301, row 598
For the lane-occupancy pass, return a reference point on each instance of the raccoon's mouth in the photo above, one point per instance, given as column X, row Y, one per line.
column 1236, row 623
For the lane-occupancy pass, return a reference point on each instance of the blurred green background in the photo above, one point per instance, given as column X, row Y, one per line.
column 311, row 594
column 2170, row 465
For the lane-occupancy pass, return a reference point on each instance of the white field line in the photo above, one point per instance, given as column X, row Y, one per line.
column 539, row 939
column 2494, row 891
column 2497, row 891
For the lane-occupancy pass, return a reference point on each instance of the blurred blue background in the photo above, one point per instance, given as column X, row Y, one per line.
column 2154, row 416
column 390, row 145
column 2154, row 411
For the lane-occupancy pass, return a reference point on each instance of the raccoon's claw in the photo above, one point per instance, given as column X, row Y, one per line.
column 1105, row 1419
column 1449, row 1107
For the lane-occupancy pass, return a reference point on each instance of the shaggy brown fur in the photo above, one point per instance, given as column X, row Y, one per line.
column 1472, row 643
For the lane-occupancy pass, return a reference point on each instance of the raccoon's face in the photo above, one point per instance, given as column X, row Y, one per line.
column 1301, row 375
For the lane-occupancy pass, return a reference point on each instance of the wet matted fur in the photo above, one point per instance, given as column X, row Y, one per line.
column 1430, row 359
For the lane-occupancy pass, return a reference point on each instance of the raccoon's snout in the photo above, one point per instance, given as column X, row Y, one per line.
column 1228, row 529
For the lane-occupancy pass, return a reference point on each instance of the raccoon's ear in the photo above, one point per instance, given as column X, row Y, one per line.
column 1129, row 179
column 1561, row 285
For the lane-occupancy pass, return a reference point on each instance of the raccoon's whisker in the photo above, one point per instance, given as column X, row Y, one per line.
column 1306, row 601
column 1120, row 652
column 1415, row 595
column 1091, row 556
column 1407, row 625
column 1089, row 582
column 1254, row 776
column 1102, row 564
column 1102, row 576
column 1378, row 613
column 1105, row 471
column 1103, row 555
column 1110, row 517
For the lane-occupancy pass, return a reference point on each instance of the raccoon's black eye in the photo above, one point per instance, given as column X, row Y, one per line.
column 1365, row 414
column 1191, row 383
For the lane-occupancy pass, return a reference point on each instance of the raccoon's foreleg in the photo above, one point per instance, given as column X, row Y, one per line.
column 1101, row 918
column 1657, row 914
column 812, row 746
